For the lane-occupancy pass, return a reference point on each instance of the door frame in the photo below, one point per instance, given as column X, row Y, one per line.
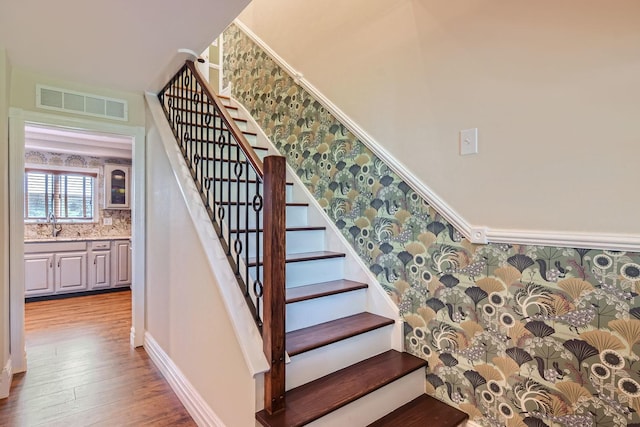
column 17, row 120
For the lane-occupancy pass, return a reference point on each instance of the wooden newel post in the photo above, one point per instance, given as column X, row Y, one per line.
column 274, row 281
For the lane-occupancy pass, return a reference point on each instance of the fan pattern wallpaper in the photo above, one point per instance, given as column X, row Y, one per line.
column 514, row 335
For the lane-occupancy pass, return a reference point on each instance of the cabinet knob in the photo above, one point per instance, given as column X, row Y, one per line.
column 58, row 263
column 50, row 264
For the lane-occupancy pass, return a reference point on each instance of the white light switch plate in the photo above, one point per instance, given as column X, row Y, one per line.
column 107, row 221
column 468, row 141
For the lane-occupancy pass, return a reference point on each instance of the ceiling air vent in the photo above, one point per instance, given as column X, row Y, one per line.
column 52, row 98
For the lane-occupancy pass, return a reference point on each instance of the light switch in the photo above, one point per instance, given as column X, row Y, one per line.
column 468, row 141
column 107, row 221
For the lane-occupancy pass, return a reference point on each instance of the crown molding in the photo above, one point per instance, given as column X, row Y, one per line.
column 480, row 234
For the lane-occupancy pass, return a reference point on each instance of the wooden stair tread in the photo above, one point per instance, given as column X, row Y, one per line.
column 318, row 290
column 313, row 400
column 251, row 181
column 316, row 336
column 296, row 228
column 186, row 89
column 226, row 203
column 423, row 411
column 233, row 144
column 304, row 256
column 197, row 110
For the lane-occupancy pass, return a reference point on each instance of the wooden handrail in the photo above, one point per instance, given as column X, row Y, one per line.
column 228, row 120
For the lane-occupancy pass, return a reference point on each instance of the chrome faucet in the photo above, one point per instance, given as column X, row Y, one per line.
column 54, row 229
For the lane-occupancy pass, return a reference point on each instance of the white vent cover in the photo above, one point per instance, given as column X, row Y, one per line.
column 53, row 98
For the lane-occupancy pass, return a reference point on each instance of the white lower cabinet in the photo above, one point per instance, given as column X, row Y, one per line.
column 100, row 270
column 52, row 268
column 38, row 274
column 70, row 272
column 122, row 263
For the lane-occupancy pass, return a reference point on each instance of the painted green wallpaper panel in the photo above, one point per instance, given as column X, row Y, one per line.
column 514, row 335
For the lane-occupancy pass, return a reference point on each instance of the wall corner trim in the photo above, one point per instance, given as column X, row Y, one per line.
column 479, row 234
column 201, row 413
column 6, row 376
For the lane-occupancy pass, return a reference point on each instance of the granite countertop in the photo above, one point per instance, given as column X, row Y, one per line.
column 75, row 239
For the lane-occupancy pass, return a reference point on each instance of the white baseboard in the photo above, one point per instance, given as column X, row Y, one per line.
column 5, row 379
column 476, row 233
column 136, row 339
column 201, row 413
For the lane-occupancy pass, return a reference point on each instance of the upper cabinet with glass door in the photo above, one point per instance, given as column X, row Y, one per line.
column 116, row 187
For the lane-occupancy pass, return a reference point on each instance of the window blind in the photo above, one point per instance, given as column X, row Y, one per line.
column 66, row 195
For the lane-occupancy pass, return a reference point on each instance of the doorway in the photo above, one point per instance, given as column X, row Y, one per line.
column 19, row 120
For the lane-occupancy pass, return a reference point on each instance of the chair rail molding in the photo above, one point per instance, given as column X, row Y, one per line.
column 480, row 234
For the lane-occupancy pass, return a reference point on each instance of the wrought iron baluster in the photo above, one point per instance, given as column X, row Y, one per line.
column 204, row 135
column 220, row 164
column 238, row 171
column 227, row 162
column 247, row 186
column 257, row 283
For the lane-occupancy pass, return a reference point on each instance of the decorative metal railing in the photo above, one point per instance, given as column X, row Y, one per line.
column 245, row 200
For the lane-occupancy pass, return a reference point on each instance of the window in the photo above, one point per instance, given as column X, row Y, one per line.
column 68, row 195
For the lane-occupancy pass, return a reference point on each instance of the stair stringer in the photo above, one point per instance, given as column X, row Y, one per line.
column 378, row 301
column 246, row 332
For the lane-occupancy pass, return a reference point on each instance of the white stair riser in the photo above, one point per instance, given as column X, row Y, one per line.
column 186, row 113
column 375, row 405
column 322, row 361
column 198, row 133
column 222, row 188
column 296, row 217
column 312, row 312
column 239, row 190
column 315, row 271
column 297, row 241
column 229, row 152
column 309, row 272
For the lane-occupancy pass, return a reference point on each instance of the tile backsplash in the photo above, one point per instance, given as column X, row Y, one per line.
column 121, row 219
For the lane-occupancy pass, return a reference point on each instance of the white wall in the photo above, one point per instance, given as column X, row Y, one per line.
column 5, row 73
column 552, row 86
column 23, row 95
column 185, row 314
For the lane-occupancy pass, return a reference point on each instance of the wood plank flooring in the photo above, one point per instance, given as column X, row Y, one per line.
column 82, row 371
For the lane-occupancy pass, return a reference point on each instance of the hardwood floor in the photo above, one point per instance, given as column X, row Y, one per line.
column 82, row 371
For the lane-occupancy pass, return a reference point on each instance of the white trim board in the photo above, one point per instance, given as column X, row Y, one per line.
column 201, row 413
column 5, row 379
column 475, row 233
column 17, row 120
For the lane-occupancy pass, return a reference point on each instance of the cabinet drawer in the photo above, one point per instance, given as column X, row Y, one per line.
column 32, row 248
column 103, row 245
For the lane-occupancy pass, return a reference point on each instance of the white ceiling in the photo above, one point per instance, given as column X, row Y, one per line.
column 126, row 45
column 71, row 141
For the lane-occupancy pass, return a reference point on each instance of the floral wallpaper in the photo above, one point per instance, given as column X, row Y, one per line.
column 121, row 219
column 514, row 335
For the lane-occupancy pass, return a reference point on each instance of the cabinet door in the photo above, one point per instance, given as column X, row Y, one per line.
column 100, row 270
column 38, row 274
column 122, row 263
column 116, row 181
column 71, row 271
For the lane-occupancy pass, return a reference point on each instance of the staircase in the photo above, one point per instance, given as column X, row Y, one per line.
column 342, row 368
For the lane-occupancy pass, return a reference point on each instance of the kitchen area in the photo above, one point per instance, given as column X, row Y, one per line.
column 77, row 224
